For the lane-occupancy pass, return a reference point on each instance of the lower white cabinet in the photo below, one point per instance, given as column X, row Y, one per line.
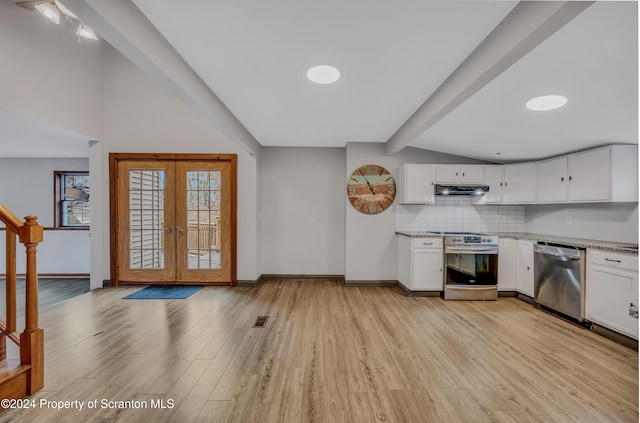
column 612, row 291
column 419, row 264
column 515, row 266
column 507, row 264
column 524, row 267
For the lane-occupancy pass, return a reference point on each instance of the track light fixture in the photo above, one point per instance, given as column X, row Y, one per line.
column 51, row 9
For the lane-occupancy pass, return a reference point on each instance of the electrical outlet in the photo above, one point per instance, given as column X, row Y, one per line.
column 569, row 220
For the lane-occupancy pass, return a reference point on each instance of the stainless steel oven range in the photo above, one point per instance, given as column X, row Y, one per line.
column 471, row 266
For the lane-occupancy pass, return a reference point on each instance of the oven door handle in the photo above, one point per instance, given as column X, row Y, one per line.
column 490, row 250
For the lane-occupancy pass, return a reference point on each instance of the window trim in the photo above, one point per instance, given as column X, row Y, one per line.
column 58, row 176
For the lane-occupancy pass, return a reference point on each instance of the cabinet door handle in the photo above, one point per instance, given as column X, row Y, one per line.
column 456, row 173
column 562, row 179
column 500, row 183
column 505, row 184
column 528, row 268
column 462, row 173
column 571, row 178
column 633, row 310
column 427, row 243
column 612, row 260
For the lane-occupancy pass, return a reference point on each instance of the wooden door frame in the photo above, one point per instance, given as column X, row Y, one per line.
column 114, row 158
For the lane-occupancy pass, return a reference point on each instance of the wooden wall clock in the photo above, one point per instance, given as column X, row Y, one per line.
column 371, row 189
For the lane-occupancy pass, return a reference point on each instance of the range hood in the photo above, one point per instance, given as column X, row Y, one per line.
column 461, row 189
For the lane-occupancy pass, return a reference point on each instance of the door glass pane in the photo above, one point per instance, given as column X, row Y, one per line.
column 203, row 219
column 146, row 219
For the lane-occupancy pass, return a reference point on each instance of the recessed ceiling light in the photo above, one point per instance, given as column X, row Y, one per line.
column 546, row 102
column 323, row 74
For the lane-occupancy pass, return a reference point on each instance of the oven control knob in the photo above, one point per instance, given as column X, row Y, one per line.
column 486, row 239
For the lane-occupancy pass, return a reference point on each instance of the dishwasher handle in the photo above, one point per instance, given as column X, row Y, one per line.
column 564, row 254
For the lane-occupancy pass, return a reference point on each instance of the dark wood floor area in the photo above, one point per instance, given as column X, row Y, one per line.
column 328, row 353
column 50, row 291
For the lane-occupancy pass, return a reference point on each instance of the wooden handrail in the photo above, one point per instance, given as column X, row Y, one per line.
column 31, row 341
column 12, row 221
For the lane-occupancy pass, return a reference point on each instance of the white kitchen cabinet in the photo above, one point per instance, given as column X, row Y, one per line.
column 460, row 174
column 519, row 183
column 604, row 174
column 553, row 180
column 612, row 291
column 507, row 264
column 494, row 178
column 419, row 263
column 524, row 267
column 589, row 175
column 414, row 184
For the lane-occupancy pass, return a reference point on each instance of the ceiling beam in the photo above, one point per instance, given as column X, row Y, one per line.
column 527, row 25
column 127, row 29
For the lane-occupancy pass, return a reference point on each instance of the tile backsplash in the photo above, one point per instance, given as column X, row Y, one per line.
column 458, row 214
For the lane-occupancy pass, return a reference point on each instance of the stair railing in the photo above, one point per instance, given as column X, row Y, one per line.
column 31, row 340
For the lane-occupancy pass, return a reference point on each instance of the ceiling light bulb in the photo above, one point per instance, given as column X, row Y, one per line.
column 86, row 31
column 323, row 74
column 49, row 11
column 65, row 10
column 546, row 102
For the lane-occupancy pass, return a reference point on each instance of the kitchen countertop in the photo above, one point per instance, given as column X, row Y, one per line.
column 575, row 242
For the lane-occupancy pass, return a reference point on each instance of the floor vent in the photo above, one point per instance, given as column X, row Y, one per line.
column 261, row 321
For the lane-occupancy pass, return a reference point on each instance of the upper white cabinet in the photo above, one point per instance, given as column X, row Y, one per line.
column 519, row 183
column 414, row 184
column 494, row 177
column 457, row 174
column 604, row 174
column 553, row 180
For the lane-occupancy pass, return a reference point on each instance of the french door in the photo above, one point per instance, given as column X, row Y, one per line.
column 173, row 220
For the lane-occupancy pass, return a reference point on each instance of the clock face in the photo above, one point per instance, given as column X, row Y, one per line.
column 371, row 189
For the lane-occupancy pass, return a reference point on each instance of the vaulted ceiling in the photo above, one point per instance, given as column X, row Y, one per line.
column 411, row 72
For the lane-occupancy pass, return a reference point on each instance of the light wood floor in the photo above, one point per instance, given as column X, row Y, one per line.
column 327, row 354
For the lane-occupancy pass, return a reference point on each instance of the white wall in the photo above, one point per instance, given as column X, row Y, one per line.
column 303, row 209
column 141, row 116
column 370, row 246
column 46, row 74
column 26, row 185
column 62, row 251
column 616, row 222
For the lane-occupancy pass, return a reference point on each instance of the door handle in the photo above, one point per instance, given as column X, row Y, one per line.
column 168, row 229
column 180, row 229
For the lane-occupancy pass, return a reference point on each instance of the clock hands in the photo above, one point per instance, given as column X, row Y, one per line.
column 367, row 181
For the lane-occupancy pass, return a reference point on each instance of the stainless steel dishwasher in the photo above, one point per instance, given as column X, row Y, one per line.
column 559, row 279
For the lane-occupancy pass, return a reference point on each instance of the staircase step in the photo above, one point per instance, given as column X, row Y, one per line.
column 13, row 379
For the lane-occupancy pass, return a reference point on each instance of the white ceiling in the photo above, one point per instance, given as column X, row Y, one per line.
column 392, row 56
column 593, row 61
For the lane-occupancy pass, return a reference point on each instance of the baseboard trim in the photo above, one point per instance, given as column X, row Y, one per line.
column 525, row 298
column 372, row 283
column 338, row 278
column 406, row 291
column 615, row 336
column 507, row 294
column 249, row 283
